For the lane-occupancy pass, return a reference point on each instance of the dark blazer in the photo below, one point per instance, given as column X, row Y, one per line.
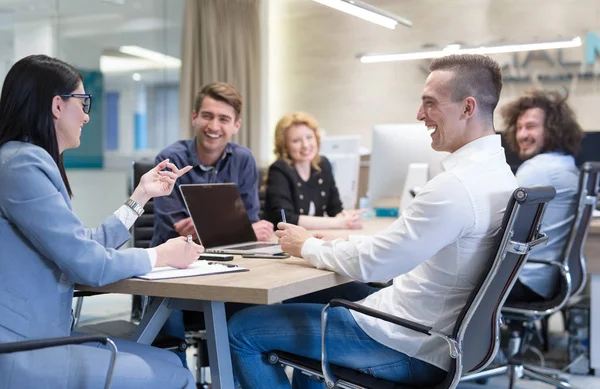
column 287, row 191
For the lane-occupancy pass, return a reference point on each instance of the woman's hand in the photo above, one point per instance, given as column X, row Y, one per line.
column 158, row 182
column 178, row 253
column 350, row 219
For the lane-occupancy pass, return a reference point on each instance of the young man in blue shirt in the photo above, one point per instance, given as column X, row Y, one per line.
column 215, row 159
column 542, row 128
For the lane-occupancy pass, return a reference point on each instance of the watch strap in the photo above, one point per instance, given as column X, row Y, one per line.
column 135, row 206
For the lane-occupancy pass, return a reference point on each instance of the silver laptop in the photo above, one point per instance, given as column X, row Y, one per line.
column 221, row 220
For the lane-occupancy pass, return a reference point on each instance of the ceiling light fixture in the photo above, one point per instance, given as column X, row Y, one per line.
column 456, row 49
column 154, row 56
column 367, row 12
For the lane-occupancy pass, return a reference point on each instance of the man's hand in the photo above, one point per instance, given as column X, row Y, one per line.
column 185, row 227
column 292, row 238
column 263, row 230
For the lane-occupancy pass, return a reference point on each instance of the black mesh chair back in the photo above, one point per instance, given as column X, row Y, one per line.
column 143, row 229
column 587, row 199
column 478, row 325
column 262, row 192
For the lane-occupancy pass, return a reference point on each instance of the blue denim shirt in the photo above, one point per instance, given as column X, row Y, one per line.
column 237, row 165
column 559, row 171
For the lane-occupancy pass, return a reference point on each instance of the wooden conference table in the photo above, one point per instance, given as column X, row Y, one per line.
column 268, row 281
column 271, row 281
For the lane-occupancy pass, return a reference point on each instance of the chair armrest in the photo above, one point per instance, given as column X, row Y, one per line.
column 28, row 345
column 553, row 263
column 381, row 315
column 83, row 293
column 561, row 266
column 330, row 379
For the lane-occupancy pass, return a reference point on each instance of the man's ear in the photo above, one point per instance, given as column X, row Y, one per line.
column 469, row 107
column 57, row 106
column 237, row 125
column 194, row 117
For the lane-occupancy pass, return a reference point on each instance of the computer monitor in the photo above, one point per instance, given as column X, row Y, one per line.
column 394, row 147
column 344, row 154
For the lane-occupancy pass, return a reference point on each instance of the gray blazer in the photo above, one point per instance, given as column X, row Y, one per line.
column 44, row 250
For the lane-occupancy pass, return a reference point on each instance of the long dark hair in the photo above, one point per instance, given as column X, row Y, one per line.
column 26, row 103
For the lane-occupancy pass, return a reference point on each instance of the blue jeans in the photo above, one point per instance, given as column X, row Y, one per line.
column 353, row 291
column 174, row 327
column 296, row 328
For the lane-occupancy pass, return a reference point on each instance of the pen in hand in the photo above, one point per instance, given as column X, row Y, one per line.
column 283, row 216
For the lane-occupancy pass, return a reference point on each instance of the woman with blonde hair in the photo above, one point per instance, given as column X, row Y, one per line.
column 300, row 183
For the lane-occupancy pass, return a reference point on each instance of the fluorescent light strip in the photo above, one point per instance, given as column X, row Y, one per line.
column 366, row 12
column 151, row 55
column 454, row 49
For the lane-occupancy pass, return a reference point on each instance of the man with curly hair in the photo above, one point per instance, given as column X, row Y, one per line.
column 543, row 130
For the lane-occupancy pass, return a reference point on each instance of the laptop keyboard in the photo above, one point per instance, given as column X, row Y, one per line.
column 252, row 246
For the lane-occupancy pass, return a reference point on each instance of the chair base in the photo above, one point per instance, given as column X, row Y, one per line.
column 518, row 371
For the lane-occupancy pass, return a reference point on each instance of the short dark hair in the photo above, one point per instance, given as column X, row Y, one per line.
column 478, row 76
column 26, row 103
column 220, row 91
column 561, row 130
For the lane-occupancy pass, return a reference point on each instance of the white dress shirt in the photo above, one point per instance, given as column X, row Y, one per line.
column 434, row 251
column 128, row 217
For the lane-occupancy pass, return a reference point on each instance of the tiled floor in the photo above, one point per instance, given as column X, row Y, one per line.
column 115, row 306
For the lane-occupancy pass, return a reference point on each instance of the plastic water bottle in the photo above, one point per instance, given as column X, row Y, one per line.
column 365, row 204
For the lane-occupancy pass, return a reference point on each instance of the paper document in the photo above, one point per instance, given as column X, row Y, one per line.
column 198, row 268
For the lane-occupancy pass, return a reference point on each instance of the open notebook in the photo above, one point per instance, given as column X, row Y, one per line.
column 198, row 268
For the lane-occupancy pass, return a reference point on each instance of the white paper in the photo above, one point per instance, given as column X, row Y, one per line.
column 198, row 268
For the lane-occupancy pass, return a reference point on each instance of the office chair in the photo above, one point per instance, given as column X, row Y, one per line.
column 522, row 316
column 37, row 344
column 142, row 230
column 475, row 337
column 262, row 192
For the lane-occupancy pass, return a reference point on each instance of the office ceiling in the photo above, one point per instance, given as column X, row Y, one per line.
column 105, row 23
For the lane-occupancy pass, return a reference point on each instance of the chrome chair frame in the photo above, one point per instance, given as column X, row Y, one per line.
column 497, row 282
column 37, row 344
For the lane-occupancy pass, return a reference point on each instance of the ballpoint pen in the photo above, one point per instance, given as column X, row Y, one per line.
column 222, row 264
column 283, row 216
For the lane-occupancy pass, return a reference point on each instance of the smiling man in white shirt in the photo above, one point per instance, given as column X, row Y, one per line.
column 435, row 251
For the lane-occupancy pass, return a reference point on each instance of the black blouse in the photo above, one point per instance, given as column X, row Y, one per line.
column 287, row 191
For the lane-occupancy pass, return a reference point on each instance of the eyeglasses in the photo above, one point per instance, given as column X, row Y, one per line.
column 87, row 100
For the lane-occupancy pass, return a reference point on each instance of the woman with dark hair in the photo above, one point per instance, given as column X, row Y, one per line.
column 46, row 249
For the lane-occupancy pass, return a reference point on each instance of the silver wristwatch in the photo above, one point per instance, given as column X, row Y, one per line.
column 135, row 207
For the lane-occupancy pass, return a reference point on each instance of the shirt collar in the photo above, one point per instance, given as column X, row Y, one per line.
column 481, row 145
column 193, row 153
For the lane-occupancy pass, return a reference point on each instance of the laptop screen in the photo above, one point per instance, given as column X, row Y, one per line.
column 218, row 213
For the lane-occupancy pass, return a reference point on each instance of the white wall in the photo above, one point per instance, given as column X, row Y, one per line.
column 314, row 48
column 97, row 193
